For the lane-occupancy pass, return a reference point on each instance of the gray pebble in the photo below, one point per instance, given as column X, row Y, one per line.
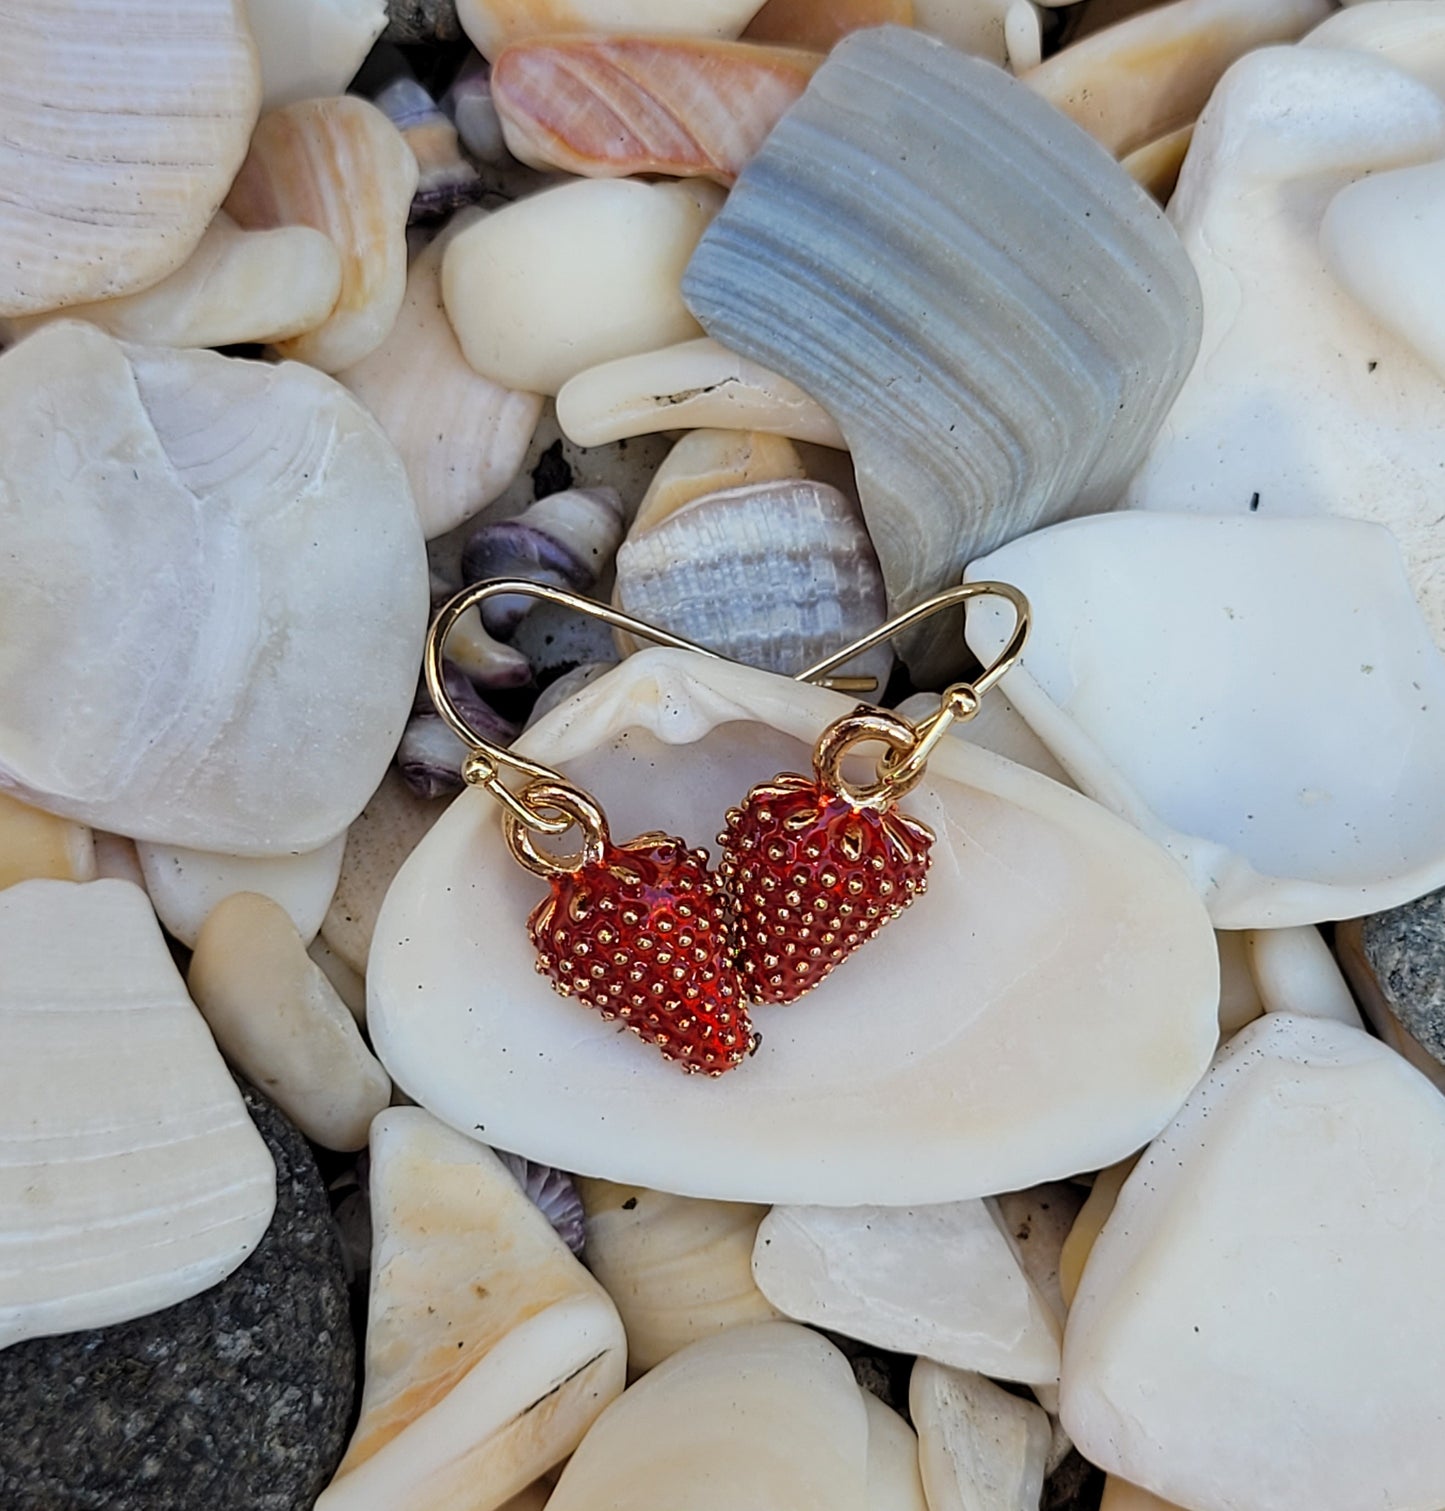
column 1404, row 949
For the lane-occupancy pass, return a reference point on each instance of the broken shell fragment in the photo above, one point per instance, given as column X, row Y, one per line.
column 309, row 48
column 604, row 107
column 445, row 179
column 1026, row 401
column 339, row 166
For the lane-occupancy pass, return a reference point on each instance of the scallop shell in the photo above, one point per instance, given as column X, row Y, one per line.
column 767, row 1417
column 121, row 126
column 339, row 166
column 241, row 703
column 236, row 287
column 1002, row 1059
column 1029, row 398
column 553, row 1194
column 694, row 383
column 776, row 575
column 133, row 1177
column 678, row 1269
column 1300, row 785
column 822, row 23
column 495, row 24
column 461, row 436
column 489, row 1349
column 604, row 106
column 1150, row 75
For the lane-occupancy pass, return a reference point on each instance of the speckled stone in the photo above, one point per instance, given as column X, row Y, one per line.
column 1404, row 948
column 239, row 1399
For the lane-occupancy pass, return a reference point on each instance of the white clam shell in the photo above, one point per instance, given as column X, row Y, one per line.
column 461, row 436
column 121, row 126
column 236, row 287
column 489, row 1349
column 339, row 166
column 1272, row 1265
column 311, row 47
column 579, row 274
column 961, row 1052
column 776, row 575
column 133, row 1177
column 694, row 383
column 185, row 885
column 1281, row 728
column 678, row 1269
column 766, row 1417
column 241, row 703
column 1301, row 401
column 941, row 1281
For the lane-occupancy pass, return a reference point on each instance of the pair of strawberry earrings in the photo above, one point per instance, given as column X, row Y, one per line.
column 647, row 932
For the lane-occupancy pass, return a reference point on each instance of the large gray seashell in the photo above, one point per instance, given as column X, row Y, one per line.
column 994, row 313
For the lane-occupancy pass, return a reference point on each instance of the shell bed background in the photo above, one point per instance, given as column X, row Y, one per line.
column 1110, row 1175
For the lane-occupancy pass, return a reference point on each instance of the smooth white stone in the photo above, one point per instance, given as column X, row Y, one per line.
column 489, row 1349
column 677, row 1269
column 350, row 985
column 35, row 845
column 133, row 1177
column 1280, row 729
column 695, row 383
column 1380, row 237
column 278, row 1020
column 979, row 1448
column 186, row 885
column 494, row 24
column 1300, row 401
column 461, row 436
column 1408, row 33
column 1262, row 1321
column 1239, row 1000
column 237, row 286
column 894, row 1481
column 388, row 829
column 1296, row 972
column 1004, row 1059
column 311, row 47
column 590, row 271
column 939, row 1281
column 242, row 704
column 766, row 1417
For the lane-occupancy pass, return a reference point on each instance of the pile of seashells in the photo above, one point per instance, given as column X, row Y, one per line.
column 1085, row 1183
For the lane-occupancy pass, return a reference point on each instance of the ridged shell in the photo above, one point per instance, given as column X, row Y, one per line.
column 239, row 605
column 121, row 124
column 821, row 23
column 776, row 575
column 461, row 436
column 609, row 106
column 1037, row 317
column 236, row 287
column 132, row 1176
column 1138, row 81
column 339, row 166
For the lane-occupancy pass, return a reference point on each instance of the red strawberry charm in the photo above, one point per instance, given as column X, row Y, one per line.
column 642, row 933
column 813, row 875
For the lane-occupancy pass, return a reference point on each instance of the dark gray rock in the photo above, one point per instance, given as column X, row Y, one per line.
column 1076, row 1485
column 1404, row 950
column 412, row 21
column 239, row 1399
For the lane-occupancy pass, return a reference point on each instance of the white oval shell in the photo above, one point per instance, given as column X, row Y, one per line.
column 133, row 1177
column 1006, row 1029
column 1279, row 727
column 121, row 126
column 220, row 561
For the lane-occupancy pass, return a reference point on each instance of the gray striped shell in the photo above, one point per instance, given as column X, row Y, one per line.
column 997, row 317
